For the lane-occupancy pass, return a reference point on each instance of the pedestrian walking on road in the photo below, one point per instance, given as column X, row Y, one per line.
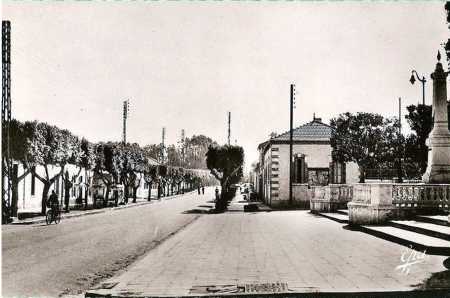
column 198, row 188
column 217, row 193
column 203, row 189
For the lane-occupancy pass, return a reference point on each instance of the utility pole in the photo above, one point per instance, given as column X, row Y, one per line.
column 291, row 128
column 183, row 136
column 6, row 118
column 400, row 174
column 126, row 109
column 229, row 127
column 163, row 147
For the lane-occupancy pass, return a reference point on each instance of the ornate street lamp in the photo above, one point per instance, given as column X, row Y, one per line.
column 422, row 80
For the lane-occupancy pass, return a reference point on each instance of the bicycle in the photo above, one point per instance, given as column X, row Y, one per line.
column 53, row 215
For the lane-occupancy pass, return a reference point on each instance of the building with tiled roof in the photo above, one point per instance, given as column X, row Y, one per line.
column 314, row 130
column 311, row 158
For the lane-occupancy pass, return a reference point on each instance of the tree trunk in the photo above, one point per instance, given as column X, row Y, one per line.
column 86, row 195
column 66, row 195
column 44, row 198
column 159, row 190
column 149, row 196
column 87, row 180
column 126, row 192
column 14, row 197
column 106, row 198
column 15, row 191
column 134, row 194
column 362, row 175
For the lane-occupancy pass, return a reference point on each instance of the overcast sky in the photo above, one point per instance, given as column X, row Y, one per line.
column 186, row 64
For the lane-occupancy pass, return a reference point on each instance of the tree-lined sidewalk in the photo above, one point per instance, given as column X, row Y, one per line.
column 40, row 145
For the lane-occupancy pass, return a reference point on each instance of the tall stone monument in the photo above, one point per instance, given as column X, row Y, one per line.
column 438, row 142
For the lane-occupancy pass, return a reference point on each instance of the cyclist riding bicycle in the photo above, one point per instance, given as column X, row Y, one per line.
column 53, row 203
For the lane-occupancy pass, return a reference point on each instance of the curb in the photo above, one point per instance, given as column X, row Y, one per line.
column 63, row 216
column 68, row 216
column 306, row 294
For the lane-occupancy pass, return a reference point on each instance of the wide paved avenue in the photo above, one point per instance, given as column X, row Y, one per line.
column 70, row 257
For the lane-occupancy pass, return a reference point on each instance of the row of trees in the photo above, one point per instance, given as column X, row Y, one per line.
column 188, row 153
column 36, row 144
column 375, row 142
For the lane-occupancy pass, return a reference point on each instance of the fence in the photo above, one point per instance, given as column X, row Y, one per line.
column 330, row 198
column 435, row 196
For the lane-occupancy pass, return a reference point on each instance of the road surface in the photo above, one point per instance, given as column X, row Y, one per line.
column 71, row 257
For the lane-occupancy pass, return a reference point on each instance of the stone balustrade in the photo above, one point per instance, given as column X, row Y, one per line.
column 376, row 203
column 421, row 196
column 329, row 198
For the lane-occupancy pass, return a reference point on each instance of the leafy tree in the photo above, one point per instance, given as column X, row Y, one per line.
column 108, row 165
column 196, row 148
column 177, row 179
column 52, row 146
column 447, row 43
column 393, row 147
column 174, row 157
column 188, row 178
column 150, row 176
column 21, row 143
column 153, row 151
column 189, row 154
column 225, row 163
column 133, row 165
column 365, row 138
column 162, row 174
column 447, row 49
column 86, row 162
column 420, row 120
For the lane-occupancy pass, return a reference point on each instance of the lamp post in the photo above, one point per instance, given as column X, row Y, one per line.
column 400, row 171
column 422, row 80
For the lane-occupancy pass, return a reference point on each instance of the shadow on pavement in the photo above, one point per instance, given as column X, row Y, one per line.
column 198, row 211
column 393, row 294
column 438, row 280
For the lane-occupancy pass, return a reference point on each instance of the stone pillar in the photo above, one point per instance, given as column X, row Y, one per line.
column 371, row 204
column 438, row 142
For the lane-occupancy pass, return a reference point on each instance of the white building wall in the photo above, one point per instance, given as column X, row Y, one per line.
column 29, row 201
column 316, row 156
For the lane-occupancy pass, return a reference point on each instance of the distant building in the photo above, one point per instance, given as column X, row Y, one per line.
column 312, row 164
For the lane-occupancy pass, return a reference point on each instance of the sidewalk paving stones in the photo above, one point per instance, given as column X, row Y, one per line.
column 306, row 252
